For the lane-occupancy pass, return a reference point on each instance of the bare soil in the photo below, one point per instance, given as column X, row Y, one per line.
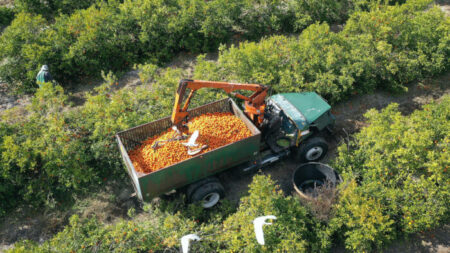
column 445, row 6
column 8, row 101
column 7, row 3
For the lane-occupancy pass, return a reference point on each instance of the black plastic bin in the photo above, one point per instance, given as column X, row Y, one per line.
column 310, row 175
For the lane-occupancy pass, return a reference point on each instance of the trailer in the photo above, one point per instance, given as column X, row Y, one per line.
column 281, row 125
column 182, row 174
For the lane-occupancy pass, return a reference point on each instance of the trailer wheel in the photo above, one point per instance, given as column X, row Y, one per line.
column 312, row 150
column 194, row 186
column 209, row 194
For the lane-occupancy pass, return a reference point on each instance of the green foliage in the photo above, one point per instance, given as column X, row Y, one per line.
column 87, row 46
column 22, row 48
column 82, row 38
column 258, row 18
column 405, row 42
column 7, row 188
column 161, row 228
column 322, row 10
column 147, row 72
column 43, row 157
column 292, row 231
column 362, row 218
column 166, row 27
column 6, row 16
column 51, row 8
column 386, row 47
column 318, row 60
column 162, row 231
column 400, row 164
column 396, row 170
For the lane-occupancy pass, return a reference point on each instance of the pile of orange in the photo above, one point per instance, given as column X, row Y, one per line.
column 215, row 130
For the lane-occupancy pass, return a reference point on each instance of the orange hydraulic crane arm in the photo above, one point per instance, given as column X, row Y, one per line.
column 254, row 104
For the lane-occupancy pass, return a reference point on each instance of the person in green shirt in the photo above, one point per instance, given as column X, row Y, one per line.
column 43, row 76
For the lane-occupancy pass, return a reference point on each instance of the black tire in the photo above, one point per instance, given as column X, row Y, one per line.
column 313, row 150
column 194, row 186
column 209, row 194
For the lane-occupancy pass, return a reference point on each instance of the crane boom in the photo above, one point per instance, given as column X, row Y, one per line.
column 254, row 104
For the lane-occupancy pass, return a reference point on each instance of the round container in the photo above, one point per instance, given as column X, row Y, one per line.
column 310, row 175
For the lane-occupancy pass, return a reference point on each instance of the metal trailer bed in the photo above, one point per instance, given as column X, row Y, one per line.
column 148, row 186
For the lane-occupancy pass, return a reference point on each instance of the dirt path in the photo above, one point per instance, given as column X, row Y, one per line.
column 131, row 79
column 445, row 6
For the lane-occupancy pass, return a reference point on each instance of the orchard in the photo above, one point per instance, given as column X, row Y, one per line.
column 395, row 169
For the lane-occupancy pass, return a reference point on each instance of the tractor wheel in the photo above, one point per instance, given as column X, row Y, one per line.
column 312, row 150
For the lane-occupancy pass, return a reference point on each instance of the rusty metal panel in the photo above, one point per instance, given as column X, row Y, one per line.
column 198, row 167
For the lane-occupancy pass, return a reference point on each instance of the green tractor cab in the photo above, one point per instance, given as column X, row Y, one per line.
column 306, row 109
column 292, row 118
